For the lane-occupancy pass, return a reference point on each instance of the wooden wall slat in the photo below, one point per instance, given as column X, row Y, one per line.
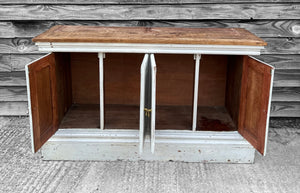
column 13, row 108
column 14, row 83
column 13, row 93
column 282, row 46
column 157, row 12
column 276, row 21
column 17, row 46
column 280, row 94
column 262, row 28
column 17, row 62
column 286, row 94
column 281, row 62
column 5, row 63
column 12, row 79
column 285, row 109
column 287, row 78
column 278, row 109
column 124, row 2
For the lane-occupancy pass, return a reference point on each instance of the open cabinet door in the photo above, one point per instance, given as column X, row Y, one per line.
column 41, row 84
column 255, row 100
column 153, row 101
column 142, row 102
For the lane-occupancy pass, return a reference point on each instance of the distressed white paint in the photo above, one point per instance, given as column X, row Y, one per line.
column 153, row 100
column 29, row 99
column 148, row 48
column 197, row 58
column 188, row 146
column 269, row 111
column 101, row 89
column 142, row 102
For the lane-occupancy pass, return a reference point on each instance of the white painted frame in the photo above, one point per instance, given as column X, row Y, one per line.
column 148, row 48
column 188, row 146
column 101, row 56
column 142, row 102
column 197, row 58
column 153, row 100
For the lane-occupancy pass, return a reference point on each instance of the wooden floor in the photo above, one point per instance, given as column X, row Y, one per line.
column 167, row 117
column 214, row 119
column 88, row 116
column 180, row 118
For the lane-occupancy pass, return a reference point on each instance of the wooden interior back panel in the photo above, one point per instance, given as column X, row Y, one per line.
column 157, row 35
column 64, row 85
column 233, row 86
column 43, row 99
column 212, row 80
column 175, row 80
column 254, row 100
column 85, row 78
column 121, row 78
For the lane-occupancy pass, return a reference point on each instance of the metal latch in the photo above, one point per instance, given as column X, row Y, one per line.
column 147, row 112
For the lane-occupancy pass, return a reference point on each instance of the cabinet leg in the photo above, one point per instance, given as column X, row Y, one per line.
column 197, row 58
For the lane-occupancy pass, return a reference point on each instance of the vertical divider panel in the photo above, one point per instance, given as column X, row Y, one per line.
column 153, row 100
column 101, row 56
column 197, row 58
column 142, row 102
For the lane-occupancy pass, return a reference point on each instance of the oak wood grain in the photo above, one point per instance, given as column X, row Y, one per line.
column 15, row 108
column 5, row 63
column 157, row 12
column 283, row 94
column 124, row 2
column 285, row 109
column 287, row 78
column 12, row 79
column 155, row 35
column 261, row 28
column 281, row 62
column 13, row 93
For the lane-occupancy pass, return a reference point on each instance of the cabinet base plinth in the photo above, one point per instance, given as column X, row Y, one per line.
column 206, row 147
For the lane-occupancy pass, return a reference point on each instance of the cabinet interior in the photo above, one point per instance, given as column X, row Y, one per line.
column 218, row 97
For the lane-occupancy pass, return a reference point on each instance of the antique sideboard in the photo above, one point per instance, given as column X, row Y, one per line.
column 143, row 93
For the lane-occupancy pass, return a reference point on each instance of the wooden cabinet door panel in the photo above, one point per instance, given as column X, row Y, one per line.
column 41, row 82
column 256, row 91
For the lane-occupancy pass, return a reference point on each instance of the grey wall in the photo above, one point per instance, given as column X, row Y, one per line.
column 276, row 21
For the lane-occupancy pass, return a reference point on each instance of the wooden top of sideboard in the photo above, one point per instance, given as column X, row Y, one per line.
column 150, row 35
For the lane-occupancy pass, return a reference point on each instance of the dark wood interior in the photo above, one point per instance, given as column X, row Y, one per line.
column 87, row 116
column 219, row 82
column 175, row 85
